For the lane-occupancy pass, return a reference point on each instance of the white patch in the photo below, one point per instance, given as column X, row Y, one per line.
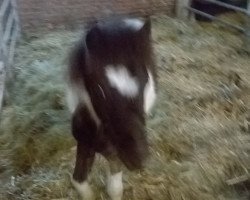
column 120, row 79
column 76, row 94
column 115, row 186
column 135, row 24
column 149, row 94
column 71, row 98
column 83, row 189
column 103, row 94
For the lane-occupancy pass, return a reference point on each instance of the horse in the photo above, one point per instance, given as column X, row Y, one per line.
column 111, row 88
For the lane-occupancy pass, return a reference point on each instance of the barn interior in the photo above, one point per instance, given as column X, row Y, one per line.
column 199, row 131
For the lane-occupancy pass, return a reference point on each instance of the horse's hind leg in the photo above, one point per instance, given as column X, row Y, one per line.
column 84, row 162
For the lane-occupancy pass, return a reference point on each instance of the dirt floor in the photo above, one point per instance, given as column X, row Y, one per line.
column 199, row 131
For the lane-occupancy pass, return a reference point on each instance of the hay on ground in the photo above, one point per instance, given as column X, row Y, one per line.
column 199, row 131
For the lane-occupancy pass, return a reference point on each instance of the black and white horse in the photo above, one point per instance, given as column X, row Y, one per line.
column 111, row 88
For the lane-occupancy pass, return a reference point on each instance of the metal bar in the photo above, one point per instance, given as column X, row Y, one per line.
column 2, row 83
column 9, row 24
column 226, row 5
column 2, row 67
column 13, row 37
column 248, row 7
column 247, row 29
column 12, row 46
column 15, row 8
column 3, row 7
column 1, row 40
column 5, row 35
column 215, row 19
column 3, row 51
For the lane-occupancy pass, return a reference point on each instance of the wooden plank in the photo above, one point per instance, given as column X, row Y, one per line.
column 216, row 19
column 238, row 180
column 9, row 24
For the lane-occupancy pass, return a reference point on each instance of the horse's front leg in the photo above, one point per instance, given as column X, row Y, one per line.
column 84, row 162
column 114, row 178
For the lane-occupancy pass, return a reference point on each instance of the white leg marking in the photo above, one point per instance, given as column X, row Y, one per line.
column 78, row 94
column 83, row 189
column 149, row 94
column 71, row 98
column 135, row 24
column 120, row 79
column 115, row 186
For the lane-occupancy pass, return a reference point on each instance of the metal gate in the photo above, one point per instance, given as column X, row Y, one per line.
column 185, row 9
column 9, row 33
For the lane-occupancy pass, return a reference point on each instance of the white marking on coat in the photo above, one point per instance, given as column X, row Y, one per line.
column 78, row 94
column 103, row 94
column 115, row 186
column 149, row 94
column 120, row 79
column 83, row 189
column 135, row 24
column 71, row 98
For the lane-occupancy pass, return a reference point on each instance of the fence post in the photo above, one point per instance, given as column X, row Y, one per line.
column 247, row 29
column 181, row 10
